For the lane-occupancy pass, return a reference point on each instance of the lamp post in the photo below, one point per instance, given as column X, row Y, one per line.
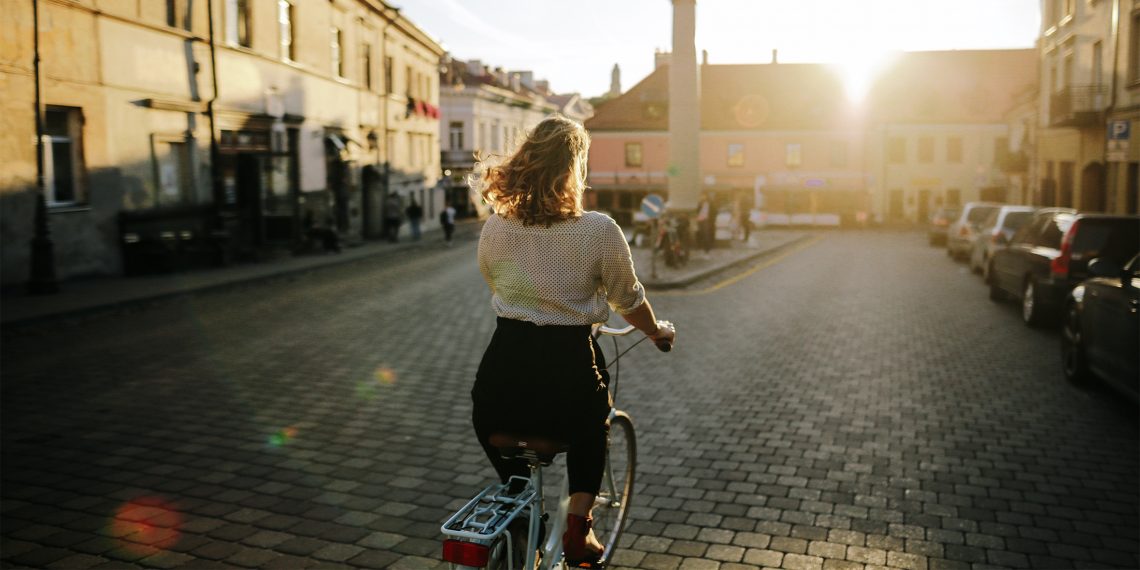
column 41, row 279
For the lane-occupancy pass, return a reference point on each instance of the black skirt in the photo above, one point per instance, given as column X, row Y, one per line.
column 547, row 381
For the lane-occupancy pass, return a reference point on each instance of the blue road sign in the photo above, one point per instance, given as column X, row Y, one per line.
column 1119, row 130
column 652, row 206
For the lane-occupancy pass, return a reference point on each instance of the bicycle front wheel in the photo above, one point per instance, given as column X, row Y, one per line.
column 611, row 508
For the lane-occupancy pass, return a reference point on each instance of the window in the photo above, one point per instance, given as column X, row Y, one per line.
column 838, row 153
column 366, row 64
column 409, row 82
column 495, row 137
column 64, row 172
column 387, row 74
column 172, row 171
column 896, row 150
column 953, row 197
column 1098, row 62
column 336, row 48
column 1001, row 150
column 1134, row 48
column 285, row 28
column 178, row 14
column 455, row 135
column 926, row 149
column 793, row 155
column 736, row 154
column 237, row 22
column 954, row 149
column 633, row 154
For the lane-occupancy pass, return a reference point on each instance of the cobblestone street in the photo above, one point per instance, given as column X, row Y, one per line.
column 856, row 402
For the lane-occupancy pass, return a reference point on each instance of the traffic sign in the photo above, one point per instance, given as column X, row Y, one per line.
column 652, row 206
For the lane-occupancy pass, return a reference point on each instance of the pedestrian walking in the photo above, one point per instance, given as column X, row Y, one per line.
column 447, row 220
column 392, row 213
column 706, row 223
column 415, row 214
column 546, row 296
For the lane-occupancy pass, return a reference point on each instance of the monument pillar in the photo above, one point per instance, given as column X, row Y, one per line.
column 684, row 110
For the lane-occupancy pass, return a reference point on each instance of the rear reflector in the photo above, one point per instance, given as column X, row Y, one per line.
column 465, row 553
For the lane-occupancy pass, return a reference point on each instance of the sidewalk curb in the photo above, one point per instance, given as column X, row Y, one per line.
column 269, row 275
column 689, row 280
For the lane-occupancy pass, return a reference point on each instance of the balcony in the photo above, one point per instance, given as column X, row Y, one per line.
column 457, row 158
column 1077, row 106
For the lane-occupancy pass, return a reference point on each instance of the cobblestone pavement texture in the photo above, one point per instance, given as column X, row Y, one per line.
column 858, row 404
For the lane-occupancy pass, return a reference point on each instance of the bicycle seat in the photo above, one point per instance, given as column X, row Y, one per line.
column 528, row 447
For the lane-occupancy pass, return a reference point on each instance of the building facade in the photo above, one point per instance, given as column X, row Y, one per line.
column 489, row 111
column 1089, row 95
column 166, row 139
column 786, row 140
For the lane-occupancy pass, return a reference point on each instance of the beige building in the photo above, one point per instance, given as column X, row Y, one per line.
column 1086, row 155
column 156, row 157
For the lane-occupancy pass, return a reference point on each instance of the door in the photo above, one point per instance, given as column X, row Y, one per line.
column 1113, row 312
column 248, row 206
column 895, row 210
column 923, row 206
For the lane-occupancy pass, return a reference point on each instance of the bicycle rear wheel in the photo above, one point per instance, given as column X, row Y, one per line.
column 611, row 508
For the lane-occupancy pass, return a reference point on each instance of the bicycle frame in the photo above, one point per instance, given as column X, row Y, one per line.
column 484, row 520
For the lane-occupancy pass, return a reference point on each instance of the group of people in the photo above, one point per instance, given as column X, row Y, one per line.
column 394, row 214
column 706, row 221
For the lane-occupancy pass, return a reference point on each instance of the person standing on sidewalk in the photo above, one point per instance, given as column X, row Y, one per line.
column 415, row 214
column 447, row 220
column 706, row 223
column 392, row 217
column 553, row 270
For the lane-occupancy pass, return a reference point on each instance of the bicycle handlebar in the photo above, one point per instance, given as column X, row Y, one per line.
column 663, row 346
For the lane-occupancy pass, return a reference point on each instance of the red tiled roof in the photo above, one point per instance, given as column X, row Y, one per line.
column 917, row 87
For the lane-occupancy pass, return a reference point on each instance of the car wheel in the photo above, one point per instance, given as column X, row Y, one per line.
column 1031, row 304
column 1073, row 360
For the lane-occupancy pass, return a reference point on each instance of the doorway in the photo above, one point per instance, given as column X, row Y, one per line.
column 1093, row 198
column 923, row 205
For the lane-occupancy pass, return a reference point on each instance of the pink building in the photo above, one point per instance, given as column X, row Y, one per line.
column 786, row 140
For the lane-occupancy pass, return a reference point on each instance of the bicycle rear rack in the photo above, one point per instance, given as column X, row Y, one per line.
column 485, row 516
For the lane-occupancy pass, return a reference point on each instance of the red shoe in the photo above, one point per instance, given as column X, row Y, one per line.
column 580, row 547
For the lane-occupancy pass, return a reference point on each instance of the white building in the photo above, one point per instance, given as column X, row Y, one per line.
column 488, row 112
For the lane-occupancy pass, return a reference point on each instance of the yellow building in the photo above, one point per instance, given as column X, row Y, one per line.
column 1086, row 155
column 167, row 142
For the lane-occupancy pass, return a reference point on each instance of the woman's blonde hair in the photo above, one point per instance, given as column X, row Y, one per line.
column 543, row 181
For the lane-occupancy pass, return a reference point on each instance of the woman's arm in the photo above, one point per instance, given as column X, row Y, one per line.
column 643, row 318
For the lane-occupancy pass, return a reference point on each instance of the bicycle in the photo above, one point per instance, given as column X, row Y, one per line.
column 481, row 534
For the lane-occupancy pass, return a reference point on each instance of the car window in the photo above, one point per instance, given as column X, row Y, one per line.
column 1053, row 230
column 1024, row 234
column 991, row 220
column 978, row 214
column 1015, row 220
column 1117, row 239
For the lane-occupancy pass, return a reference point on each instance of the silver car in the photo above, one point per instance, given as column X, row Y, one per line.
column 995, row 233
column 960, row 234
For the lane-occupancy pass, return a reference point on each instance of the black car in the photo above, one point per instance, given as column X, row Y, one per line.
column 1049, row 256
column 1101, row 331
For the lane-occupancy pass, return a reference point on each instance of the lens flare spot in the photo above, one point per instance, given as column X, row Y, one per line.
column 385, row 375
column 145, row 526
column 282, row 436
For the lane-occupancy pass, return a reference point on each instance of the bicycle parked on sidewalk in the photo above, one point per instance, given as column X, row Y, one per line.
column 485, row 534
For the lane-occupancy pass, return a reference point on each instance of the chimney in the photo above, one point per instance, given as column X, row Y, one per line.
column 527, row 78
column 704, row 57
column 542, row 86
column 774, row 61
column 516, row 82
column 660, row 58
column 475, row 67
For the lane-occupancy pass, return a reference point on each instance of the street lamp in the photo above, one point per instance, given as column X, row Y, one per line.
column 41, row 279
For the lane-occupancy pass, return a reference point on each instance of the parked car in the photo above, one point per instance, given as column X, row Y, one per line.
column 995, row 233
column 1101, row 331
column 960, row 234
column 1049, row 256
column 936, row 231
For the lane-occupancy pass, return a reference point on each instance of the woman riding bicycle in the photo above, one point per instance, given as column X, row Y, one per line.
column 554, row 270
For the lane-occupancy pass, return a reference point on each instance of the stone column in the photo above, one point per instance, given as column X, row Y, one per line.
column 684, row 110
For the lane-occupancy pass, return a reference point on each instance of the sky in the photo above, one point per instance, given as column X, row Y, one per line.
column 576, row 44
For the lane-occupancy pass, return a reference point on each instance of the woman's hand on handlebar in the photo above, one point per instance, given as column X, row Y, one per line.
column 665, row 336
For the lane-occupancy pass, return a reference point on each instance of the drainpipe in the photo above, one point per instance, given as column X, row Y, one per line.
column 41, row 279
column 1112, row 179
column 215, row 154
